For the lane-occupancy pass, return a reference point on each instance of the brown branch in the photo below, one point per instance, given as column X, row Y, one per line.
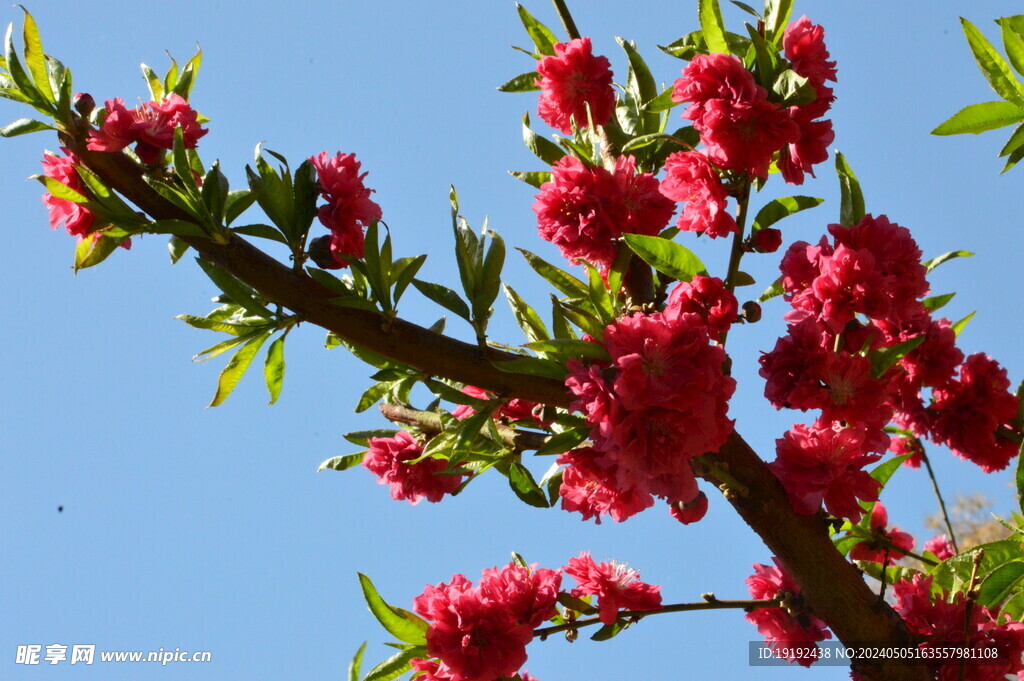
column 430, row 423
column 831, row 586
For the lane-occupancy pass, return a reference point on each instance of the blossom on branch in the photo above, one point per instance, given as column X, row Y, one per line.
column 76, row 218
column 789, row 630
column 572, row 81
column 349, row 209
column 887, row 545
column 690, row 178
column 388, row 458
column 150, row 127
column 616, row 586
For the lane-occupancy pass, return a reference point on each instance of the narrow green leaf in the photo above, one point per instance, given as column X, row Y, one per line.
column 524, row 82
column 1013, row 42
column 884, row 358
column 94, row 249
column 216, row 325
column 993, row 66
column 262, row 232
column 24, row 126
column 273, row 369
column 851, row 208
column 663, row 102
column 772, row 291
column 569, row 348
column 236, row 368
column 35, row 58
column 777, row 209
column 534, row 178
column 402, row 624
column 542, row 36
column 666, row 256
column 175, row 227
column 443, row 296
column 1019, row 478
column 533, row 366
column 711, row 24
column 776, row 17
column 959, row 326
column 238, row 292
column 563, row 442
column 396, row 665
column 156, row 88
column 954, row 574
column 355, row 666
column 542, row 148
column 640, row 83
column 609, row 631
column 237, row 203
column 1014, row 145
column 60, row 190
column 527, row 318
column 182, row 167
column 930, row 265
column 522, row 483
column 979, row 118
column 599, row 295
column 884, row 471
column 361, row 438
column 342, row 463
column 933, row 303
column 372, row 396
column 560, row 279
column 792, row 89
column 176, row 248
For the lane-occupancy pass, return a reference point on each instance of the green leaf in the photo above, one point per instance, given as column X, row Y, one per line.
column 933, row 303
column 61, row 191
column 273, row 369
column 35, row 58
column 640, row 83
column 1019, row 478
column 884, row 471
column 176, row 247
column 94, row 249
column 560, row 279
column 405, row 270
column 610, row 630
column 542, row 148
column 342, row 463
column 373, row 395
column 893, row 573
column 543, row 39
column 237, row 203
column 175, row 227
column 21, row 79
column 884, row 358
column 1014, row 145
column 1013, row 43
column 24, row 126
column 663, row 102
column 772, row 291
column 443, row 296
column 1001, row 583
column 355, row 666
column 534, row 178
column 666, row 256
column 216, row 325
column 362, row 438
column 524, row 82
column 777, row 209
column 851, row 208
column 156, row 88
column 979, row 118
column 792, row 89
column 396, row 665
column 533, row 366
column 993, row 66
column 711, row 24
column 402, row 624
column 238, row 292
column 959, row 326
column 522, row 483
column 527, row 318
column 570, row 349
column 261, row 231
column 236, row 368
column 776, row 17
column 954, row 574
column 224, row 346
column 490, row 276
column 564, row 441
column 930, row 265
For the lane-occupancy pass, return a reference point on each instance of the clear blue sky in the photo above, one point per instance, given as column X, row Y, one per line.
column 210, row 529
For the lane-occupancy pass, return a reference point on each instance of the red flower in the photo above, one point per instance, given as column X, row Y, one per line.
column 706, row 297
column 767, row 240
column 593, row 487
column 690, row 512
column 515, row 409
column 903, row 446
column 118, row 129
column 781, row 630
column 804, row 43
column 941, row 547
column 349, row 209
column 810, row 147
column 386, row 458
column 75, row 217
column 878, row 551
column 151, row 126
column 584, row 209
column 528, row 594
column 826, row 463
column 969, row 411
column 710, row 77
column 690, row 178
column 572, row 80
column 616, row 585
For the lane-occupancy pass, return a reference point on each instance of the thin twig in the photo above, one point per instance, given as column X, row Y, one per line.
column 942, row 504
column 567, row 21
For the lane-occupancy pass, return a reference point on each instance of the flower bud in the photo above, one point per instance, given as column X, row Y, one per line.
column 751, row 312
column 766, row 240
column 320, row 253
column 84, row 103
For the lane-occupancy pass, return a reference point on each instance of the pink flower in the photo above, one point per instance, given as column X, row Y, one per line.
column 708, row 298
column 941, row 547
column 780, row 629
column 969, row 411
column 515, row 409
column 903, row 446
column 809, row 148
column 349, row 209
column 767, row 240
column 616, row 585
column 690, row 512
column 885, row 549
column 528, row 594
column 151, row 126
column 593, row 487
column 714, row 76
column 572, row 80
column 825, row 462
column 689, row 177
column 583, row 209
column 75, row 217
column 804, row 43
column 387, row 458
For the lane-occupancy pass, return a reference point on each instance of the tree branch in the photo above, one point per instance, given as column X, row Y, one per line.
column 831, row 586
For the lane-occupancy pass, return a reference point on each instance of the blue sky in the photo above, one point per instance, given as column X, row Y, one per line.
column 210, row 529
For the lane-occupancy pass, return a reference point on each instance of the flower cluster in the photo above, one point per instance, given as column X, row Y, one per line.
column 661, row 401
column 480, row 633
column 572, row 82
column 945, row 619
column 150, row 127
column 788, row 629
column 349, row 209
column 388, row 458
column 76, row 218
column 888, row 544
column 584, row 209
column 514, row 409
column 853, row 296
